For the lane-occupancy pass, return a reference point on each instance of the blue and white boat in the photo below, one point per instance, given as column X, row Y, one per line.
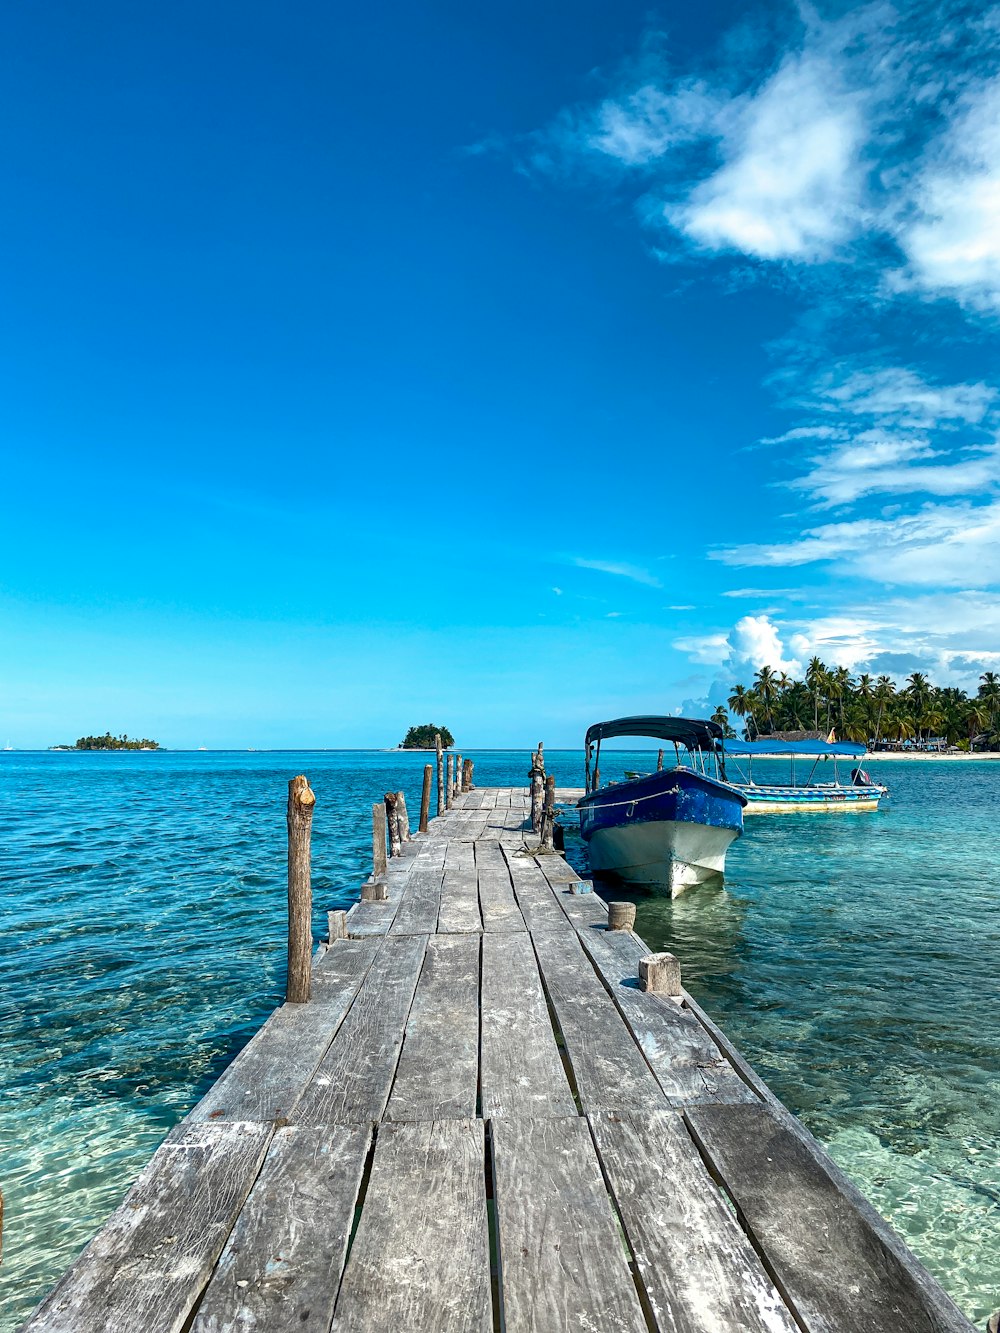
column 815, row 781
column 667, row 829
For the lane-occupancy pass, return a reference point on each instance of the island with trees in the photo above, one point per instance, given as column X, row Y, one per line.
column 876, row 712
column 422, row 738
column 109, row 742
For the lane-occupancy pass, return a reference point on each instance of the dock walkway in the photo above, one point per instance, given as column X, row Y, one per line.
column 480, row 1122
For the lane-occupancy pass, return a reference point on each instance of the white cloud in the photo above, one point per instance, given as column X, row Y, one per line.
column 878, row 465
column 899, row 396
column 792, row 179
column 944, row 545
column 753, row 642
column 951, row 231
column 639, row 127
column 619, row 568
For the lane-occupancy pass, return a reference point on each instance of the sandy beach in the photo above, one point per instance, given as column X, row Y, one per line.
column 908, row 756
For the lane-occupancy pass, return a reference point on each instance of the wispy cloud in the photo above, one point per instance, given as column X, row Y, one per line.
column 620, row 569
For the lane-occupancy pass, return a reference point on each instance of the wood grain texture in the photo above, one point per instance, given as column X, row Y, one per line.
column 281, row 1267
column 831, row 1264
column 460, row 891
column 497, row 904
column 608, row 1067
column 700, row 1272
column 438, row 1073
column 535, row 898
column 267, row 1079
column 687, row 1064
column 420, row 1259
column 562, row 1262
column 353, row 1080
column 522, row 1073
column 148, row 1266
column 420, row 901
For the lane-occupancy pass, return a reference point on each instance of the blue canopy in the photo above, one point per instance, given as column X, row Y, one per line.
column 791, row 749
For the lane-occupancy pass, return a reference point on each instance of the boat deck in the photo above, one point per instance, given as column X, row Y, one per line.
column 481, row 1122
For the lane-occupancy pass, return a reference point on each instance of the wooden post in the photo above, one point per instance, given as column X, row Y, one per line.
column 659, row 761
column 549, row 815
column 336, row 925
column 660, row 972
column 449, row 784
column 541, row 756
column 536, row 781
column 467, row 767
column 425, row 797
column 392, row 824
column 621, row 916
column 375, row 891
column 379, row 862
column 440, row 772
column 402, row 817
column 458, row 775
column 300, row 812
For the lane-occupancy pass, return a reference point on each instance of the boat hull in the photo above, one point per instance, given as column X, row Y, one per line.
column 775, row 800
column 670, row 830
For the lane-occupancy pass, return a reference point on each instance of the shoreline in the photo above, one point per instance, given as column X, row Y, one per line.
column 908, row 757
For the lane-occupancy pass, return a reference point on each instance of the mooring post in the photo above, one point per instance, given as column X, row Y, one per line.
column 467, row 767
column 659, row 761
column 536, row 786
column 425, row 797
column 440, row 772
column 541, row 756
column 380, row 863
column 449, row 783
column 336, row 925
column 402, row 817
column 549, row 815
column 392, row 824
column 661, row 973
column 458, row 775
column 621, row 916
column 300, row 812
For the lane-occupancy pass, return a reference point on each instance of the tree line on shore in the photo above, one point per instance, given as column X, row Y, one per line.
column 870, row 710
column 109, row 742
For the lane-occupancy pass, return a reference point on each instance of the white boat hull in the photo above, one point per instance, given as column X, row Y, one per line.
column 662, row 853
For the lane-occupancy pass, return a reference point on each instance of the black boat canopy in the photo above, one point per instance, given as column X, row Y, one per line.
column 692, row 733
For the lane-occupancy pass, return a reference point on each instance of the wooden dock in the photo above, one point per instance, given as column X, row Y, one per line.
column 481, row 1122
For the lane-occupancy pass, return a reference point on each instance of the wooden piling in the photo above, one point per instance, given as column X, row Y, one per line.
column 440, row 772
column 660, row 972
column 621, row 916
column 300, row 812
column 549, row 815
column 375, row 891
column 536, row 787
column 458, row 776
column 449, row 782
column 467, row 767
column 336, row 925
column 392, row 823
column 659, row 761
column 402, row 817
column 379, row 860
column 425, row 797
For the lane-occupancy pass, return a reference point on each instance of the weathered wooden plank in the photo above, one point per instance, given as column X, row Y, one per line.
column 353, row 1080
column 420, row 1259
column 438, row 1069
column 419, row 906
column 370, row 920
column 556, row 870
column 700, row 1272
column 534, row 896
column 688, row 1065
column 281, row 1267
column 562, row 1263
column 268, row 1077
column 522, row 1071
column 831, row 1263
column 150, row 1263
column 608, row 1067
column 499, row 909
column 459, row 891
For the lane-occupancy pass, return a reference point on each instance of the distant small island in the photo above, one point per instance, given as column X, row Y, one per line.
column 109, row 742
column 422, row 738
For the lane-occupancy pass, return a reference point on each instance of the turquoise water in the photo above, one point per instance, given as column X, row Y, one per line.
column 855, row 959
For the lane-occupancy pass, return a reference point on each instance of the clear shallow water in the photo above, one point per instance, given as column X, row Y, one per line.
column 855, row 960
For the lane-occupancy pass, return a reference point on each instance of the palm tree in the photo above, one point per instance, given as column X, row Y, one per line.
column 989, row 693
column 815, row 678
column 742, row 701
column 766, row 684
column 885, row 689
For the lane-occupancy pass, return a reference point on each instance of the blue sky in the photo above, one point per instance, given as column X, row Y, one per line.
column 505, row 369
